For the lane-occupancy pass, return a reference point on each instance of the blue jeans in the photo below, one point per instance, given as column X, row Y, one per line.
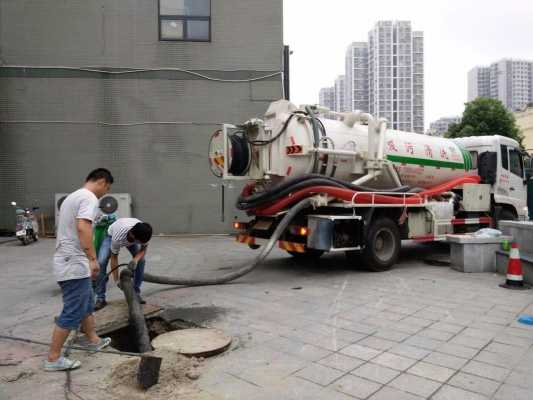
column 78, row 302
column 103, row 258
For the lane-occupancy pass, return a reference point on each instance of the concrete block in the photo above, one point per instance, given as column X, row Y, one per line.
column 521, row 231
column 472, row 254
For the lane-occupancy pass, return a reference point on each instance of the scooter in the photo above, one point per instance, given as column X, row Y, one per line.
column 27, row 228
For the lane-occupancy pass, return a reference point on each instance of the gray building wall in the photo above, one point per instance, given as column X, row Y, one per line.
column 151, row 128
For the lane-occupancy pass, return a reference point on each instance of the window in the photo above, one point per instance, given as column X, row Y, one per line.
column 505, row 160
column 473, row 156
column 185, row 20
column 515, row 159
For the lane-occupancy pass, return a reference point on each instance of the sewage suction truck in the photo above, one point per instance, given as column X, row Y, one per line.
column 360, row 187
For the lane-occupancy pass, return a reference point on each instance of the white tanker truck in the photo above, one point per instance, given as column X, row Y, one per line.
column 367, row 187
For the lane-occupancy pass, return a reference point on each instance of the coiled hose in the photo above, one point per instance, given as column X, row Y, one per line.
column 245, row 269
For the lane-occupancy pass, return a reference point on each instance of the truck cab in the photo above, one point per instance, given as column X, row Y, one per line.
column 508, row 191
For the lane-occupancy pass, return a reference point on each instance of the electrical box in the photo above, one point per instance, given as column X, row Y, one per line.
column 476, row 197
column 334, row 232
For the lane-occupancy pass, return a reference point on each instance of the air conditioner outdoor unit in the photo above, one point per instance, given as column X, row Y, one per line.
column 118, row 203
column 58, row 200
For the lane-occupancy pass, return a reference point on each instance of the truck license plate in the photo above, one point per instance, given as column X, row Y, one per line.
column 262, row 225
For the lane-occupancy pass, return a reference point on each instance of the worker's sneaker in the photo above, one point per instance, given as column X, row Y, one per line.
column 100, row 304
column 61, row 364
column 92, row 347
column 141, row 300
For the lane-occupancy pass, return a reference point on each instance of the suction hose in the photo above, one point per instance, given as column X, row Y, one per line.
column 231, row 276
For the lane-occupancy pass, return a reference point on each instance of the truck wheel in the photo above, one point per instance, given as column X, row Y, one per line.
column 310, row 254
column 254, row 246
column 505, row 215
column 382, row 245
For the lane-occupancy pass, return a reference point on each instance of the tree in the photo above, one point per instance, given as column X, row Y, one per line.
column 483, row 117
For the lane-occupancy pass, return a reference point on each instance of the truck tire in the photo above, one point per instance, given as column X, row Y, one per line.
column 310, row 254
column 382, row 245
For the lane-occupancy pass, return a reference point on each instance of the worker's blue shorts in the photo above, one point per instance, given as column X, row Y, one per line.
column 78, row 302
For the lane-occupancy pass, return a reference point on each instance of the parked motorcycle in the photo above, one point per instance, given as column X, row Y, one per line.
column 27, row 227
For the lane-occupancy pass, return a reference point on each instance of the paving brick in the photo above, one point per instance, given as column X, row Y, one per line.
column 406, row 350
column 447, row 392
column 508, row 392
column 445, row 360
column 341, row 362
column 388, row 393
column 468, row 341
column 355, row 386
column 486, row 370
column 474, row 383
column 436, row 334
column 377, row 343
column 479, row 333
column 430, row 371
column 416, row 321
column 457, row 350
column 508, row 361
column 518, row 378
column 376, row 373
column 415, row 384
column 358, row 351
column 446, row 327
column 424, row 342
column 391, row 334
column 505, row 349
column 513, row 340
column 407, row 328
column 394, row 361
column 320, row 374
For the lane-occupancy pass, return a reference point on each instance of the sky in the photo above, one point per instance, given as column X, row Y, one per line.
column 458, row 35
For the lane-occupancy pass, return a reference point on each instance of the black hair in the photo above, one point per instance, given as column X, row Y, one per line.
column 100, row 173
column 142, row 231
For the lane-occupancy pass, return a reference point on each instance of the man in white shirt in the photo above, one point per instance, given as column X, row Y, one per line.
column 132, row 234
column 75, row 264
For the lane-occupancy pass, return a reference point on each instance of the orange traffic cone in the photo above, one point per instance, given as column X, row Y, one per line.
column 515, row 279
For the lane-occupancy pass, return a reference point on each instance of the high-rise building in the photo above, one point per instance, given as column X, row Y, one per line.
column 510, row 81
column 340, row 94
column 385, row 75
column 357, row 76
column 326, row 97
column 478, row 83
column 442, row 125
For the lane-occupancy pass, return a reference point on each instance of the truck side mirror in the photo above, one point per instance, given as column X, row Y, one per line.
column 488, row 165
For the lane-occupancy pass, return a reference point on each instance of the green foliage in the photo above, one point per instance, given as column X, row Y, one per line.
column 483, row 117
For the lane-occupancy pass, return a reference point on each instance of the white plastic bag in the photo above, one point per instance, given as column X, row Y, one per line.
column 488, row 233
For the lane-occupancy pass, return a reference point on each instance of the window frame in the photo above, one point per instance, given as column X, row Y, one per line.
column 504, row 150
column 513, row 150
column 184, row 19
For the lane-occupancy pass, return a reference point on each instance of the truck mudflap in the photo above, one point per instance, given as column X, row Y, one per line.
column 282, row 244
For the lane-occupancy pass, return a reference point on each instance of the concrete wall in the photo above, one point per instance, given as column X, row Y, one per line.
column 150, row 128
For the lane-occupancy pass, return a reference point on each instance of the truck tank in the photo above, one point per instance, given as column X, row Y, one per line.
column 283, row 146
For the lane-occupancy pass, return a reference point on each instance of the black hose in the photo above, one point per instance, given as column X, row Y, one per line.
column 301, row 182
column 247, row 268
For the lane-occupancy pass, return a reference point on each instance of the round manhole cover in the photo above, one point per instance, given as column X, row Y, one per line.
column 193, row 342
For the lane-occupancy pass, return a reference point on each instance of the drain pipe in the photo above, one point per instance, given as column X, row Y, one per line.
column 135, row 311
column 245, row 269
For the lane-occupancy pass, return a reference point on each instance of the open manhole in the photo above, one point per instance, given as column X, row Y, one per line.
column 173, row 337
column 124, row 339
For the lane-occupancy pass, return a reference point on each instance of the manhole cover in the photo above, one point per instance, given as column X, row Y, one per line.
column 193, row 342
